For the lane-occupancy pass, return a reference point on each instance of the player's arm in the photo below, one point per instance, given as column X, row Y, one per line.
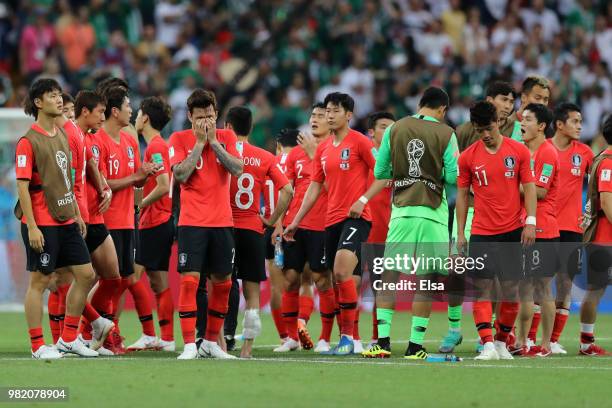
column 232, row 164
column 357, row 208
column 285, row 195
column 100, row 184
column 451, row 154
column 161, row 189
column 35, row 236
column 182, row 171
column 531, row 203
column 382, row 168
column 310, row 198
column 605, row 200
column 135, row 179
column 461, row 209
column 78, row 218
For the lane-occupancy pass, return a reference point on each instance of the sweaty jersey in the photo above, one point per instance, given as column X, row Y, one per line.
column 121, row 160
column 574, row 163
column 545, row 171
column 344, row 168
column 603, row 234
column 205, row 196
column 299, row 170
column 76, row 141
column 495, row 180
column 160, row 211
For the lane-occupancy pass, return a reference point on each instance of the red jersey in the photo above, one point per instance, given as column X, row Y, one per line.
column 270, row 193
column 545, row 172
column 603, row 233
column 380, row 205
column 161, row 210
column 245, row 191
column 495, row 180
column 299, row 170
column 344, row 168
column 77, row 149
column 94, row 146
column 121, row 160
column 205, row 196
column 574, row 163
column 25, row 169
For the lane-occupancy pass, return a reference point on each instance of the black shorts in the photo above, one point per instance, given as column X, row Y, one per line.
column 153, row 246
column 570, row 253
column 268, row 247
column 206, row 249
column 250, row 255
column 64, row 246
column 124, row 246
column 309, row 246
column 599, row 265
column 501, row 255
column 542, row 258
column 348, row 234
column 96, row 235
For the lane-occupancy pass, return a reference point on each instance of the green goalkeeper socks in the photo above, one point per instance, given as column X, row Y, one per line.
column 417, row 331
column 454, row 318
column 384, row 316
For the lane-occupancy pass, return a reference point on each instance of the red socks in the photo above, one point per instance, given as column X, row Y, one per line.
column 347, row 292
column 102, row 299
column 327, row 306
column 374, row 324
column 560, row 320
column 54, row 319
column 125, row 282
column 71, row 324
column 277, row 315
column 508, row 312
column 290, row 306
column 535, row 322
column 305, row 308
column 483, row 312
column 165, row 314
column 337, row 307
column 356, row 325
column 217, row 308
column 187, row 307
column 144, row 308
column 36, row 338
column 63, row 293
column 90, row 313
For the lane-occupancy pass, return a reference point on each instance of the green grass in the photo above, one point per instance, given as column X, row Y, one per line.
column 155, row 379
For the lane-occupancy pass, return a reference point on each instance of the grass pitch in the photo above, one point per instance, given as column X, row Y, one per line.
column 304, row 379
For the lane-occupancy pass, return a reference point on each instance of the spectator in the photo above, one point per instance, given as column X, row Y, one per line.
column 453, row 21
column 475, row 36
column 36, row 43
column 546, row 18
column 77, row 38
column 169, row 17
column 358, row 81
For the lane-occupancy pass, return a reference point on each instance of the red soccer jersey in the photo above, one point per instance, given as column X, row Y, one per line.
column 77, row 149
column 270, row 192
column 344, row 168
column 245, row 191
column 299, row 170
column 545, row 173
column 122, row 160
column 604, row 185
column 495, row 180
column 94, row 147
column 574, row 164
column 380, row 205
column 161, row 210
column 25, row 169
column 205, row 196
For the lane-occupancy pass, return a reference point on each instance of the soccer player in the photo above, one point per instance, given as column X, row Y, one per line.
column 51, row 225
column 245, row 197
column 68, row 106
column 155, row 229
column 598, row 236
column 494, row 168
column 541, row 259
column 575, row 160
column 378, row 122
column 419, row 153
column 342, row 160
column 535, row 89
column 202, row 160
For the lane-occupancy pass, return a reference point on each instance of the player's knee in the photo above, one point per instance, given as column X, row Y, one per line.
column 39, row 281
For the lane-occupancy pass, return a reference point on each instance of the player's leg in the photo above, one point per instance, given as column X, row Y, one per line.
column 202, row 304
column 306, row 305
column 53, row 304
column 357, row 345
column 526, row 312
column 231, row 319
column 165, row 308
column 142, row 301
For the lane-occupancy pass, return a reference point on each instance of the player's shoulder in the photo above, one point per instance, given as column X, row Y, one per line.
column 513, row 145
column 583, row 148
column 225, row 135
column 128, row 138
column 181, row 136
column 471, row 149
column 548, row 150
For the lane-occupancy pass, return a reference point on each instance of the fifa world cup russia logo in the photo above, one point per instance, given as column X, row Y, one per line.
column 415, row 149
column 62, row 162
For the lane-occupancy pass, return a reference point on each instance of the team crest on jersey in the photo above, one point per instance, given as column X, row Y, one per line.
column 95, row 151
column 345, row 154
column 130, row 152
column 576, row 160
column 509, row 162
column 45, row 258
column 182, row 259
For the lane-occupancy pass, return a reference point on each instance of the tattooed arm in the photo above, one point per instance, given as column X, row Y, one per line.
column 232, row 164
column 183, row 170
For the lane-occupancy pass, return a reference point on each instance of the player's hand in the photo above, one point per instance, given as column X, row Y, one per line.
column 528, row 236
column 308, row 143
column 289, row 232
column 278, row 232
column 150, row 168
column 265, row 221
column 81, row 225
column 199, row 129
column 211, row 130
column 356, row 209
column 36, row 239
column 105, row 200
column 461, row 245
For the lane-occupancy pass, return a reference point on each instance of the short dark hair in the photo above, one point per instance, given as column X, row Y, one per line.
column 340, row 99
column 157, row 110
column 241, row 119
column 562, row 112
column 376, row 116
column 37, row 90
column 541, row 112
column 111, row 82
column 87, row 99
column 532, row 81
column 114, row 99
column 201, row 98
column 433, row 98
column 67, row 98
column 483, row 113
column 288, row 137
column 606, row 129
column 318, row 105
column 499, row 88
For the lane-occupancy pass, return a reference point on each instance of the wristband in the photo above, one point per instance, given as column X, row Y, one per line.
column 363, row 199
column 530, row 220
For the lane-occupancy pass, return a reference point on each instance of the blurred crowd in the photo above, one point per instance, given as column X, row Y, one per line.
column 288, row 53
